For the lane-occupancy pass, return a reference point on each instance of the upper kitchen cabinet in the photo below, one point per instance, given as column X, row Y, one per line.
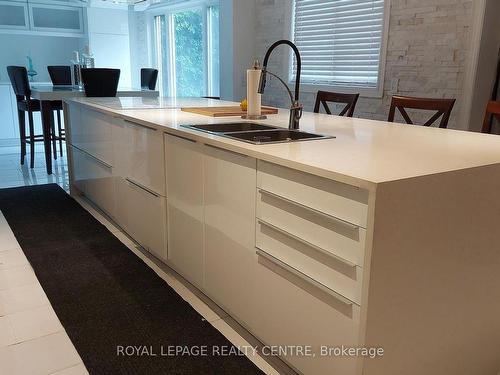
column 14, row 15
column 57, row 18
column 51, row 16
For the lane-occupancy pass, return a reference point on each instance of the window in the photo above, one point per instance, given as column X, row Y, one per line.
column 187, row 51
column 339, row 41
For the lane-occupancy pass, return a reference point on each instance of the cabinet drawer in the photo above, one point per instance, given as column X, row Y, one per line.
column 95, row 179
column 336, row 236
column 144, row 217
column 333, row 272
column 343, row 201
column 93, row 134
column 293, row 310
column 80, row 169
column 143, row 154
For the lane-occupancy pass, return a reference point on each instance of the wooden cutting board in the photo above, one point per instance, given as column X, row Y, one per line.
column 226, row 111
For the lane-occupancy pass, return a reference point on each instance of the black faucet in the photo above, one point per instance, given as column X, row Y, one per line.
column 296, row 107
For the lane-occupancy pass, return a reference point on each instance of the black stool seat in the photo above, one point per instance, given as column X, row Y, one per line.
column 23, row 105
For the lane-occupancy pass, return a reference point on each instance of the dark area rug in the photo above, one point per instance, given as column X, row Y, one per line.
column 105, row 296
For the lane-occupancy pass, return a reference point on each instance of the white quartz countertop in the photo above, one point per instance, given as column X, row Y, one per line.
column 364, row 152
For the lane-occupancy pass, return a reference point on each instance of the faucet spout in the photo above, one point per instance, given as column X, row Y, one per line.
column 296, row 107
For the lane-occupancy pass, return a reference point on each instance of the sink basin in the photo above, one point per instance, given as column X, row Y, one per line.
column 230, row 127
column 275, row 136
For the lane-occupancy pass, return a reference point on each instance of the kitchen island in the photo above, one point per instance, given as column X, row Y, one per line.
column 382, row 237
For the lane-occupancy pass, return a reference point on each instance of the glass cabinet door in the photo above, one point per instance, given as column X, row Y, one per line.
column 13, row 15
column 56, row 18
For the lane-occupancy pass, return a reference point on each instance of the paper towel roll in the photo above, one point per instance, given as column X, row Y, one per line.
column 253, row 97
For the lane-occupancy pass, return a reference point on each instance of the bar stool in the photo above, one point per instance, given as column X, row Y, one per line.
column 60, row 75
column 100, row 82
column 148, row 78
column 323, row 97
column 18, row 76
column 442, row 106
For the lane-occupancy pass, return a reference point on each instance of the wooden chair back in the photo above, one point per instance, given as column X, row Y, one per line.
column 323, row 97
column 443, row 107
column 492, row 111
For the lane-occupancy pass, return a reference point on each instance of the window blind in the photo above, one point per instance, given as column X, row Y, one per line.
column 339, row 41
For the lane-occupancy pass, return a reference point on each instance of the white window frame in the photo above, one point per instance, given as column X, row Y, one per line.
column 369, row 92
column 168, row 11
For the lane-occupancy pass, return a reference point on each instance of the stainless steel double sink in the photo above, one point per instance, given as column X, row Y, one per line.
column 255, row 133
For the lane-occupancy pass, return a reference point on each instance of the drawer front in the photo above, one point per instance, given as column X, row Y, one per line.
column 340, row 238
column 345, row 202
column 292, row 310
column 145, row 218
column 80, row 169
column 99, row 185
column 145, row 160
column 333, row 272
column 93, row 134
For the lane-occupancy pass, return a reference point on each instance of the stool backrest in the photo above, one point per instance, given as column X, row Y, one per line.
column 148, row 78
column 60, row 75
column 100, row 82
column 18, row 76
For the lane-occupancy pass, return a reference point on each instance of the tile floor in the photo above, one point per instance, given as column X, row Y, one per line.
column 29, row 327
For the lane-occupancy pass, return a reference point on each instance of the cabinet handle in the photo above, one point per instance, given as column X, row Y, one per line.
column 109, row 166
column 181, row 137
column 140, row 125
column 141, row 186
column 225, row 150
column 307, row 243
column 330, row 217
column 303, row 277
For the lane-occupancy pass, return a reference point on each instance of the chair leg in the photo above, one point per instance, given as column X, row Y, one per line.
column 54, row 140
column 59, row 128
column 22, row 133
column 32, row 139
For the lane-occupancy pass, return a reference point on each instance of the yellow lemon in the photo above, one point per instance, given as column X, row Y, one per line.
column 244, row 105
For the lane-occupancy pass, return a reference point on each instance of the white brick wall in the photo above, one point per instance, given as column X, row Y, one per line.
column 427, row 52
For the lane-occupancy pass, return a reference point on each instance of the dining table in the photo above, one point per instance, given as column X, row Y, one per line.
column 46, row 94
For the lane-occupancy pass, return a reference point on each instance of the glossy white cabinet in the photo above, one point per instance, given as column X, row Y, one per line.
column 229, row 201
column 185, row 206
column 95, row 179
column 8, row 113
column 142, row 153
column 93, row 133
column 292, row 309
column 143, row 216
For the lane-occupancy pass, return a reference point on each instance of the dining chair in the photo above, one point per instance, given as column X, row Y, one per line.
column 443, row 107
column 148, row 78
column 492, row 111
column 60, row 75
column 18, row 76
column 100, row 82
column 325, row 97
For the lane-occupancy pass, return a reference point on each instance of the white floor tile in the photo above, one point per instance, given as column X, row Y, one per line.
column 6, row 332
column 7, row 238
column 14, row 257
column 22, row 298
column 74, row 370
column 17, row 276
column 43, row 356
column 34, row 323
